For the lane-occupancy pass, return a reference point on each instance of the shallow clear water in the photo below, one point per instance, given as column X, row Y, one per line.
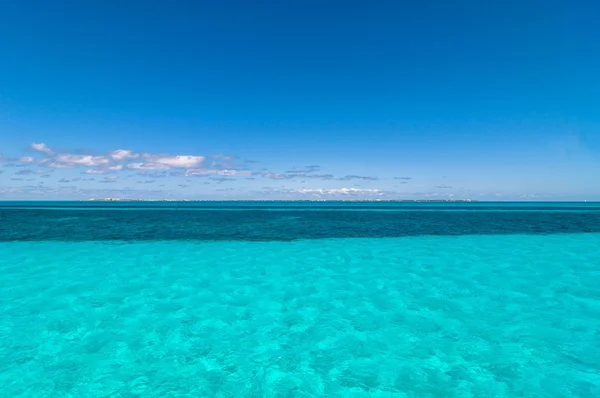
column 276, row 304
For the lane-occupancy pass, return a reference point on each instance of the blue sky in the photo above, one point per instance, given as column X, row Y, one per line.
column 300, row 99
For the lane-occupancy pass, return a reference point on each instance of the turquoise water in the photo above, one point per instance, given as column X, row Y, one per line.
column 486, row 302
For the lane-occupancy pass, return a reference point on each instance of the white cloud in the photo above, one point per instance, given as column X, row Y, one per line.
column 276, row 176
column 55, row 165
column 223, row 157
column 148, row 166
column 116, row 167
column 178, row 161
column 27, row 159
column 95, row 171
column 83, row 160
column 210, row 172
column 341, row 191
column 41, row 147
column 166, row 162
column 123, row 154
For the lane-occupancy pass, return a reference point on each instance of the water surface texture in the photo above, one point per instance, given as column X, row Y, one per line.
column 299, row 300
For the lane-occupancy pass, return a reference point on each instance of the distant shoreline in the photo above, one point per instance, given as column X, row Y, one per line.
column 116, row 200
column 281, row 200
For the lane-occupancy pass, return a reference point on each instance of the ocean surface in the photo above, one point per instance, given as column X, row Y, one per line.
column 299, row 299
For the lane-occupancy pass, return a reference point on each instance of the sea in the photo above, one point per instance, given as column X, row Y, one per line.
column 297, row 299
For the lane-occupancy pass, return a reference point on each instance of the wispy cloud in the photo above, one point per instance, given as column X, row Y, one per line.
column 294, row 175
column 212, row 172
column 148, row 166
column 305, row 170
column 56, row 165
column 82, row 160
column 95, row 171
column 25, row 172
column 114, row 160
column 223, row 157
column 123, row 154
column 222, row 179
column 43, row 148
column 153, row 174
column 176, row 161
column 341, row 191
column 355, row 177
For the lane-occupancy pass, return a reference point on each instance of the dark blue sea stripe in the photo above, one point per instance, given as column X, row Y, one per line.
column 283, row 225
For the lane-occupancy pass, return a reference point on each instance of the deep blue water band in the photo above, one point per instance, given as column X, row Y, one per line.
column 261, row 224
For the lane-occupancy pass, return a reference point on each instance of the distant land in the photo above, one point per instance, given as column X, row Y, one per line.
column 282, row 200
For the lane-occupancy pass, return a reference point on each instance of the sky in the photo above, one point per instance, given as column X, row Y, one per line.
column 482, row 100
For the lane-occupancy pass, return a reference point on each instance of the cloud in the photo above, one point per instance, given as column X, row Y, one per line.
column 318, row 176
column 153, row 174
column 355, row 177
column 25, row 172
column 227, row 165
column 55, row 165
column 16, row 179
column 277, row 176
column 63, row 180
column 212, row 172
column 95, row 171
column 161, row 162
column 290, row 176
column 402, row 178
column 438, row 195
column 183, row 185
column 223, row 157
column 123, row 154
column 116, row 160
column 178, row 161
column 443, row 186
column 148, row 166
column 222, row 179
column 82, row 160
column 41, row 147
column 341, row 191
column 146, row 182
column 307, row 169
